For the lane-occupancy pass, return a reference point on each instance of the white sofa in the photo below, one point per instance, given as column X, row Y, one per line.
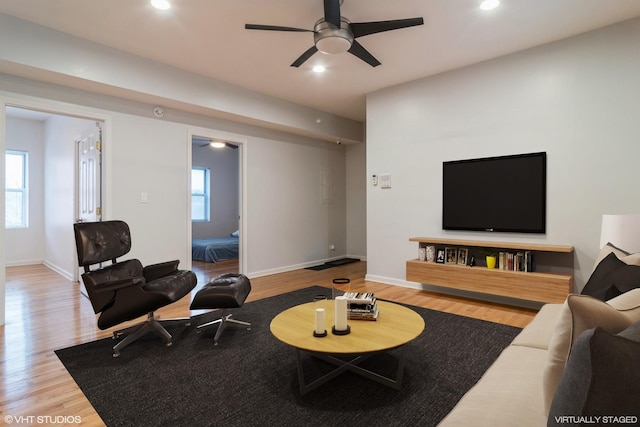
column 512, row 391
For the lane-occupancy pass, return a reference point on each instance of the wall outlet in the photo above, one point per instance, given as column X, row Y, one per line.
column 332, row 247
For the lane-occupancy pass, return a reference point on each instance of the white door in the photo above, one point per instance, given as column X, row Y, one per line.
column 89, row 183
column 89, row 173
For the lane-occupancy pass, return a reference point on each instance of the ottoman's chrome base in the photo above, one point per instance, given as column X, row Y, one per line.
column 223, row 321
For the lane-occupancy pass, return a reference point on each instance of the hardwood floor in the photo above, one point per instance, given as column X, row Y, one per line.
column 45, row 312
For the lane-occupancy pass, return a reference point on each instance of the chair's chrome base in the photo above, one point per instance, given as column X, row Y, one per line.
column 150, row 325
column 223, row 321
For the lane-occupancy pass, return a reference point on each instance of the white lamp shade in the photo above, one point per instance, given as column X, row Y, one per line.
column 622, row 231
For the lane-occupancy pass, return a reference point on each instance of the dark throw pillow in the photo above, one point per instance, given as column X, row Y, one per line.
column 602, row 378
column 611, row 278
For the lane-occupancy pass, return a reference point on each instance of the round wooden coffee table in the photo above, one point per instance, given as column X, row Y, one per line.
column 396, row 326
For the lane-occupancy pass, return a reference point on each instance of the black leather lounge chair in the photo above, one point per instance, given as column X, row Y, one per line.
column 125, row 290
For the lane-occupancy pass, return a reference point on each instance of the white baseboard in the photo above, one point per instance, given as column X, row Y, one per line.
column 24, row 262
column 298, row 266
column 59, row 270
column 392, row 281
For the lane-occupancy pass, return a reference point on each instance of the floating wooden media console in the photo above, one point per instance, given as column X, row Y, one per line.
column 539, row 285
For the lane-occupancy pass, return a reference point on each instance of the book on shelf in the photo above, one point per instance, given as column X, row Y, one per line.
column 516, row 261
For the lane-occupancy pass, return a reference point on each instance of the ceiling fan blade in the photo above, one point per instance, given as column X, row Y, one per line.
column 358, row 50
column 274, row 28
column 332, row 12
column 360, row 29
column 308, row 54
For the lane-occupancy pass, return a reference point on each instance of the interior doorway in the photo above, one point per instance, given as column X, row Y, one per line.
column 51, row 138
column 216, row 205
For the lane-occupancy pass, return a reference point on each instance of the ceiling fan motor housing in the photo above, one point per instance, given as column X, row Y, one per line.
column 329, row 39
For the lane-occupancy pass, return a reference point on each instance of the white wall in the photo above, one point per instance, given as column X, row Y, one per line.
column 576, row 99
column 291, row 220
column 224, row 202
column 26, row 245
column 61, row 132
column 356, row 201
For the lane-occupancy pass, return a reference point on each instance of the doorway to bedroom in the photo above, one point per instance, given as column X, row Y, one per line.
column 215, row 207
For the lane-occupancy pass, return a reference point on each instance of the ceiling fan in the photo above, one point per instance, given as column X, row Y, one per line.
column 336, row 34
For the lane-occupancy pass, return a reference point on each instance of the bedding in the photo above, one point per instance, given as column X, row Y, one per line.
column 214, row 250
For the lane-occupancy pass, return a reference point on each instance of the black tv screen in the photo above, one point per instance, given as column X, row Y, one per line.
column 506, row 193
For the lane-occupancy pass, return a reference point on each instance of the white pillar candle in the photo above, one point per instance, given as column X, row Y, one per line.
column 320, row 329
column 341, row 313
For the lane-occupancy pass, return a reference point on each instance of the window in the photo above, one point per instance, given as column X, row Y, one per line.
column 200, row 194
column 15, row 189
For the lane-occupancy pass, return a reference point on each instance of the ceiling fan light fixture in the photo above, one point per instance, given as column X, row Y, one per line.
column 332, row 40
column 333, row 44
column 161, row 4
column 489, row 4
column 217, row 144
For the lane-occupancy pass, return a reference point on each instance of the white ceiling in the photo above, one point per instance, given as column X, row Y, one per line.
column 207, row 37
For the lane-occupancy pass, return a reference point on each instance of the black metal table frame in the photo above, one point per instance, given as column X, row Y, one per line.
column 350, row 365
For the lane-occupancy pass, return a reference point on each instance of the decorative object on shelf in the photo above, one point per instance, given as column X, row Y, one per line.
column 472, row 261
column 341, row 285
column 431, row 253
column 440, row 256
column 462, row 256
column 451, row 256
column 340, row 325
column 422, row 253
column 491, row 261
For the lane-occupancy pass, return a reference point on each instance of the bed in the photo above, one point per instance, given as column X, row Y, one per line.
column 214, row 250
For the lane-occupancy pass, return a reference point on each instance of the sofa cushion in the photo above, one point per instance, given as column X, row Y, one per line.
column 626, row 257
column 508, row 394
column 601, row 378
column 579, row 313
column 612, row 277
column 607, row 249
column 539, row 331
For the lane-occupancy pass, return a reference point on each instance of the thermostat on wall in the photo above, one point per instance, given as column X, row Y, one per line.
column 385, row 181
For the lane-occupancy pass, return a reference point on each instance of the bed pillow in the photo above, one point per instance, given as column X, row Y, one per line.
column 601, row 377
column 613, row 276
column 235, row 233
column 579, row 313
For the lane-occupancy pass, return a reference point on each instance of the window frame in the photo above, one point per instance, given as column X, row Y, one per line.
column 206, row 195
column 23, row 190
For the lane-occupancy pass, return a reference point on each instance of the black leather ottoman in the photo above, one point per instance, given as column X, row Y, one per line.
column 228, row 290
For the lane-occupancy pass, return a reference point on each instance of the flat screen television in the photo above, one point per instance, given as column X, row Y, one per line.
column 506, row 193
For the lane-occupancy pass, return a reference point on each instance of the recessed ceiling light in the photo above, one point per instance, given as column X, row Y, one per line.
column 489, row 4
column 319, row 69
column 160, row 4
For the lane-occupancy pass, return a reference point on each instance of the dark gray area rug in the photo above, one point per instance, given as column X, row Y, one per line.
column 250, row 378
